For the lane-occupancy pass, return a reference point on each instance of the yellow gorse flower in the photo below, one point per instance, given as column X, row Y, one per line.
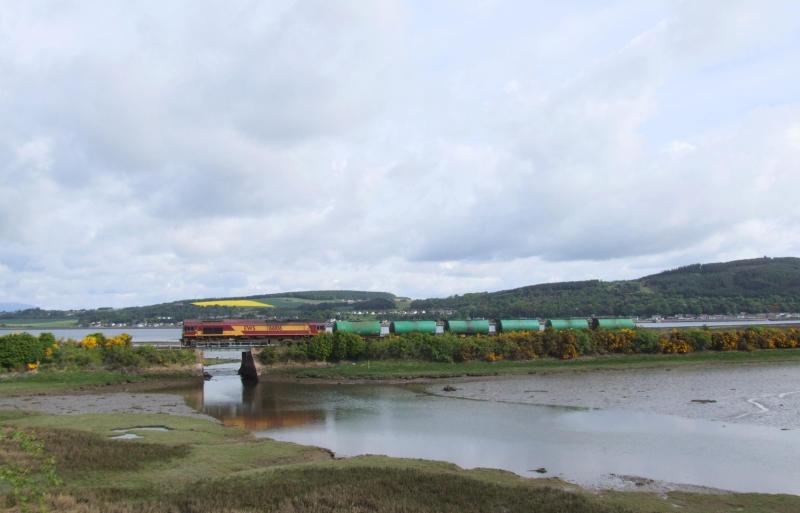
column 89, row 342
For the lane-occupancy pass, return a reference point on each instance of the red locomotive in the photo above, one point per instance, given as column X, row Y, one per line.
column 246, row 331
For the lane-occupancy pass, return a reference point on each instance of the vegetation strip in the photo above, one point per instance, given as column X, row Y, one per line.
column 422, row 370
column 422, row 355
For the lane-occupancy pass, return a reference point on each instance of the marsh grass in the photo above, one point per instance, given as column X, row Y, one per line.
column 351, row 489
column 77, row 451
column 80, row 451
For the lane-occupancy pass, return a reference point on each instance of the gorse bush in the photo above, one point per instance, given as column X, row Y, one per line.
column 528, row 345
column 19, row 349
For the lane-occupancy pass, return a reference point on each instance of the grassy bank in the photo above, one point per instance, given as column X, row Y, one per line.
column 199, row 466
column 38, row 323
column 409, row 369
column 31, row 364
column 71, row 380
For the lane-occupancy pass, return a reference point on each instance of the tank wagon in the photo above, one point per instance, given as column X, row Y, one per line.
column 467, row 327
column 231, row 332
column 564, row 324
column 401, row 327
column 506, row 325
column 612, row 324
column 364, row 328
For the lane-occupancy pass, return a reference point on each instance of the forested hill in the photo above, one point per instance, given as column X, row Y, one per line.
column 311, row 305
column 755, row 286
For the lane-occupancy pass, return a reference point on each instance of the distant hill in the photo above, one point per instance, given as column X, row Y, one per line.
column 759, row 285
column 756, row 286
column 14, row 307
column 309, row 305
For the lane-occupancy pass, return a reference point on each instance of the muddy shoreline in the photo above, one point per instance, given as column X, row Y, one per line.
column 106, row 403
column 755, row 394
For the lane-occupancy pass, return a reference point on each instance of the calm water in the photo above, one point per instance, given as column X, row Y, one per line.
column 138, row 334
column 583, row 446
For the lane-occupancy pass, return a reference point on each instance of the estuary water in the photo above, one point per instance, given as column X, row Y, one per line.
column 591, row 447
column 140, row 335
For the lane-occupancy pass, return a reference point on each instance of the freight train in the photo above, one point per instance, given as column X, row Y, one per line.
column 254, row 332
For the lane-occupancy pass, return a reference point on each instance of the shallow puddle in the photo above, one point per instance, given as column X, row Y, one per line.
column 142, row 428
column 126, row 436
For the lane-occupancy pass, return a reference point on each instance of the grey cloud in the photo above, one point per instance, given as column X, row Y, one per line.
column 163, row 151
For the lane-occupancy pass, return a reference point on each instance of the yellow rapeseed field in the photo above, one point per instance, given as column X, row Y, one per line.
column 233, row 302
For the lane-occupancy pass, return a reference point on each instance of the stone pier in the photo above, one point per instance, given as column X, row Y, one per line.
column 251, row 369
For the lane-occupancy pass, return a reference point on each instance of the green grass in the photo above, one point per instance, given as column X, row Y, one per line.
column 200, row 466
column 409, row 369
column 38, row 323
column 80, row 451
column 289, row 302
column 57, row 380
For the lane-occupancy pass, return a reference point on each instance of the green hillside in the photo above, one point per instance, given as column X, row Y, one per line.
column 756, row 286
column 309, row 305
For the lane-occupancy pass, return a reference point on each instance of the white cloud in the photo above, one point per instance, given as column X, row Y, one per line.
column 153, row 152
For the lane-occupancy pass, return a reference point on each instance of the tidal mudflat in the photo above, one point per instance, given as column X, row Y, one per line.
column 113, row 403
column 767, row 395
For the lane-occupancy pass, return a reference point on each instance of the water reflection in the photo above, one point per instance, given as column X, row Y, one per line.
column 256, row 407
column 578, row 445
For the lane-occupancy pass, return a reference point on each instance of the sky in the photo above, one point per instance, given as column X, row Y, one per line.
column 155, row 151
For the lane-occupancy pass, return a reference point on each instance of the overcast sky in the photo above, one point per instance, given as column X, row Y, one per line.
column 153, row 151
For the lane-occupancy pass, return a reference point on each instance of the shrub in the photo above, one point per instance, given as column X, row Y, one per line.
column 18, row 349
column 147, row 355
column 71, row 354
column 474, row 348
column 122, row 340
column 89, row 342
column 320, row 347
column 560, row 344
column 646, row 341
column 116, row 357
column 47, row 339
column 790, row 339
column 392, row 347
column 339, row 347
column 296, row 353
column 356, row 347
column 700, row 340
column 268, row 356
column 150, row 356
column 585, row 343
column 434, row 348
column 724, row 341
